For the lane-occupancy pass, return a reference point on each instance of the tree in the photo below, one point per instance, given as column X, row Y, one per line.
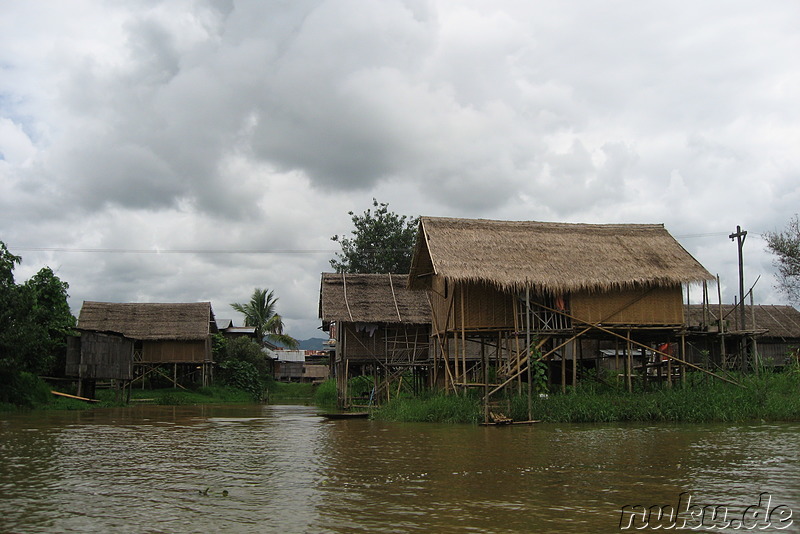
column 786, row 246
column 50, row 312
column 34, row 323
column 261, row 314
column 382, row 242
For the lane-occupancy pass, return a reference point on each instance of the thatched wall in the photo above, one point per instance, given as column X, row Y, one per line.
column 644, row 307
column 480, row 307
column 175, row 351
column 473, row 306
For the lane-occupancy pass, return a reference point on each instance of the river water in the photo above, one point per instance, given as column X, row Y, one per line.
column 286, row 469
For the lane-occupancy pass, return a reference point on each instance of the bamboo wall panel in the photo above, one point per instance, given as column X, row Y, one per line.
column 175, row 351
column 484, row 307
column 362, row 345
column 657, row 306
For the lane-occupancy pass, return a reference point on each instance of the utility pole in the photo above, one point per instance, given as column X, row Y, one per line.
column 740, row 236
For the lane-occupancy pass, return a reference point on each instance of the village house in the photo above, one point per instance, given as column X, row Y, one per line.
column 715, row 334
column 131, row 341
column 501, row 291
column 378, row 328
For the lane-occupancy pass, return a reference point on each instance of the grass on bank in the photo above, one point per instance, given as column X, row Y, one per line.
column 765, row 397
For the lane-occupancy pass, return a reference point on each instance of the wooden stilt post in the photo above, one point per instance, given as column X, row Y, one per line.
column 574, row 364
column 528, row 350
column 683, row 357
column 564, row 370
column 463, row 338
column 629, row 372
column 485, row 363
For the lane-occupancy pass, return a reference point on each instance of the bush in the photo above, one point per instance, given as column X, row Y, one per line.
column 434, row 408
column 326, row 394
column 24, row 389
column 242, row 375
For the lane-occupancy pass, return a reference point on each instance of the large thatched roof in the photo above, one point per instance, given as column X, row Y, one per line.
column 558, row 257
column 779, row 321
column 371, row 298
column 149, row 321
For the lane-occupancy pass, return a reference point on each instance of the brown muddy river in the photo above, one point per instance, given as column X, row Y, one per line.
column 285, row 469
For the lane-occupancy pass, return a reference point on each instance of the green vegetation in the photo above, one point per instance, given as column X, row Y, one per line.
column 785, row 245
column 767, row 396
column 242, row 365
column 382, row 242
column 284, row 392
column 261, row 314
column 173, row 397
column 325, row 394
column 44, row 400
column 35, row 320
column 433, row 408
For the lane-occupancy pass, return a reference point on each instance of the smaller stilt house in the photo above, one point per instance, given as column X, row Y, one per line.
column 716, row 337
column 503, row 290
column 130, row 341
column 380, row 329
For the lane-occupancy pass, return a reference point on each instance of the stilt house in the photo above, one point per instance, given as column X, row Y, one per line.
column 142, row 337
column 378, row 326
column 770, row 331
column 499, row 287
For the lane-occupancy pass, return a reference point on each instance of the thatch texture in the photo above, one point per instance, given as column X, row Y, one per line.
column 554, row 257
column 371, row 298
column 782, row 322
column 149, row 321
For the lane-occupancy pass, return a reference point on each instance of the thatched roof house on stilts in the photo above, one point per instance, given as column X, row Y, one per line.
column 131, row 341
column 503, row 290
column 379, row 328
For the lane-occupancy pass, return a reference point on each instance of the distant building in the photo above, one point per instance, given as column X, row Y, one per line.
column 229, row 330
column 715, row 332
column 294, row 366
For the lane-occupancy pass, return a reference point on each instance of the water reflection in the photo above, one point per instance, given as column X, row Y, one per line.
column 285, row 469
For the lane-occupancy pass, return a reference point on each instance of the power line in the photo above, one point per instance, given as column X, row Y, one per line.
column 173, row 251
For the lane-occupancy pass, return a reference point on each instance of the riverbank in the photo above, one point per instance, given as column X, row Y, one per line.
column 765, row 397
column 275, row 392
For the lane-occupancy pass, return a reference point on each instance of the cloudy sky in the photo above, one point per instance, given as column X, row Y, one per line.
column 143, row 141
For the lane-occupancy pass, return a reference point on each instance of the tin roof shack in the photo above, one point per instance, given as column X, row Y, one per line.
column 498, row 287
column 380, row 329
column 295, row 366
column 715, row 334
column 176, row 335
column 231, row 331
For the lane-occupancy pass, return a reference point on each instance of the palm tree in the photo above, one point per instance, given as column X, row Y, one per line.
column 260, row 313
